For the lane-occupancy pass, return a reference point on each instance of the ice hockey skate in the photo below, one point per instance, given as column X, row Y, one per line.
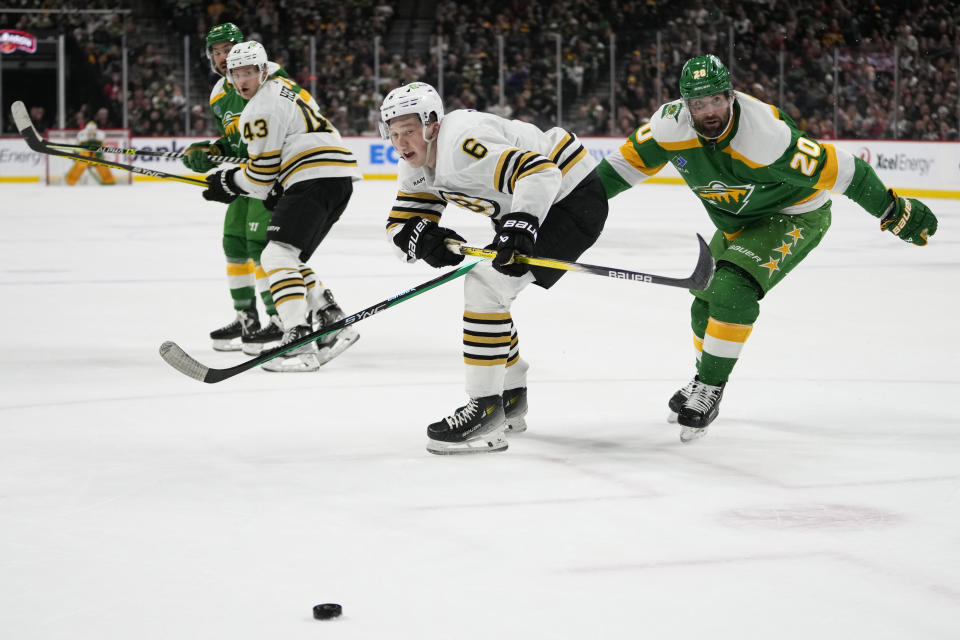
column 514, row 409
column 677, row 399
column 332, row 345
column 228, row 338
column 476, row 427
column 268, row 336
column 699, row 410
column 300, row 359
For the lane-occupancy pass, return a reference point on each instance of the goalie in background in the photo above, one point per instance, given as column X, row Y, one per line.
column 92, row 138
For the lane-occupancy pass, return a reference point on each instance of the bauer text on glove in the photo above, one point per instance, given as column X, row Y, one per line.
column 424, row 239
column 517, row 234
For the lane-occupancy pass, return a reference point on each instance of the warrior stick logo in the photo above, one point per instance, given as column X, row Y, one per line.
column 729, row 198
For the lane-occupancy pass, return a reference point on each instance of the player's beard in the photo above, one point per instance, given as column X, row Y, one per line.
column 713, row 126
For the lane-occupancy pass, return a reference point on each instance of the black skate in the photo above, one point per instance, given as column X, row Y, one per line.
column 228, row 338
column 300, row 359
column 333, row 344
column 699, row 411
column 678, row 398
column 476, row 427
column 515, row 408
column 268, row 336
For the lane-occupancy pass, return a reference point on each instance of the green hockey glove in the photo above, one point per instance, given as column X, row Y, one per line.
column 197, row 156
column 92, row 145
column 909, row 219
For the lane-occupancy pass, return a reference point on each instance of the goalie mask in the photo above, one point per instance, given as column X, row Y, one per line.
column 417, row 98
column 707, row 95
column 226, row 32
column 246, row 54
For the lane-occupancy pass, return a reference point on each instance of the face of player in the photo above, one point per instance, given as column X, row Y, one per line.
column 247, row 80
column 407, row 137
column 219, row 52
column 711, row 114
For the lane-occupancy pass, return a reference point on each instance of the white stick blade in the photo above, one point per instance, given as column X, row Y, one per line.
column 179, row 360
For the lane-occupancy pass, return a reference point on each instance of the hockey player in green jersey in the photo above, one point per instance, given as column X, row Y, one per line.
column 246, row 220
column 766, row 187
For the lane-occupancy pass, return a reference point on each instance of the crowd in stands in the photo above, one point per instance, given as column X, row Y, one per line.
column 839, row 68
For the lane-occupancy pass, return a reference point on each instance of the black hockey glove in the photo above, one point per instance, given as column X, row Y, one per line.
column 221, row 187
column 908, row 219
column 276, row 192
column 424, row 239
column 517, row 235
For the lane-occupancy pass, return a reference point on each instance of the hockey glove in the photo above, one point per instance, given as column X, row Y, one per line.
column 517, row 235
column 909, row 219
column 197, row 156
column 276, row 192
column 424, row 239
column 221, row 187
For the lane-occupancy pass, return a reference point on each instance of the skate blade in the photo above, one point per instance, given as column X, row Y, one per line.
column 489, row 443
column 256, row 348
column 233, row 344
column 689, row 434
column 516, row 425
column 345, row 339
column 301, row 363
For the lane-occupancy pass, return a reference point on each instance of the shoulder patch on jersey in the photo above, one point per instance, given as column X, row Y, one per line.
column 672, row 129
column 761, row 137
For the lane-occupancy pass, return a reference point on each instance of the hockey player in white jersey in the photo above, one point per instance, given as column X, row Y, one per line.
column 543, row 197
column 304, row 173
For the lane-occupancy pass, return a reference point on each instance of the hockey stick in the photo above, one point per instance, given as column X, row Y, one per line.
column 145, row 152
column 22, row 120
column 698, row 280
column 188, row 366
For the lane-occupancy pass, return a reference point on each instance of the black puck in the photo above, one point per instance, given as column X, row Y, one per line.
column 327, row 611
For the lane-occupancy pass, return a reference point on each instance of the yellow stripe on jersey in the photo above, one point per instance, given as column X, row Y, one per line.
column 266, row 155
column 518, row 166
column 828, row 170
column 300, row 155
column 419, row 195
column 728, row 330
column 680, row 145
column 742, row 158
column 500, row 175
column 318, row 163
column 733, row 236
column 630, row 154
column 217, row 97
column 567, row 139
column 698, row 343
column 807, row 199
column 536, row 164
column 572, row 161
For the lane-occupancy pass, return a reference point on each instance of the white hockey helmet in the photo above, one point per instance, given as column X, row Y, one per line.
column 249, row 53
column 417, row 98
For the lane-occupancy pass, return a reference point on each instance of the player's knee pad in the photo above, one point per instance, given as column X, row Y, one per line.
column 733, row 297
column 279, row 255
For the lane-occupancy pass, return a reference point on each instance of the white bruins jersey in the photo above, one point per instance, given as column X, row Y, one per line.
column 492, row 166
column 289, row 141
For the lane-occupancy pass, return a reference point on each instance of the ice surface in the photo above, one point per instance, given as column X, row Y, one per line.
column 138, row 503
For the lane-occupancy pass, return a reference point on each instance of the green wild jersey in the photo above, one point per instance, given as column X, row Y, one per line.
column 762, row 165
column 226, row 105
